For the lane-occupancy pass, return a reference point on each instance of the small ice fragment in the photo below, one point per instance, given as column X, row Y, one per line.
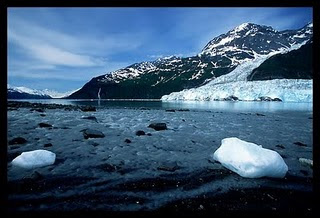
column 306, row 162
column 250, row 160
column 33, row 159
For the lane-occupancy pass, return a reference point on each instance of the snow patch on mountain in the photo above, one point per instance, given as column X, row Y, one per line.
column 55, row 94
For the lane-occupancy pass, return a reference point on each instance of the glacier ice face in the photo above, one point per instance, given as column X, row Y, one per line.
column 250, row 160
column 288, row 90
column 34, row 159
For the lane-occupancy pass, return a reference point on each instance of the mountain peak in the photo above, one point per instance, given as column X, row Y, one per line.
column 243, row 27
column 250, row 38
column 310, row 24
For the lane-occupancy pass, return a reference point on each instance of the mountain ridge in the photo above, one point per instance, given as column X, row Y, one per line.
column 21, row 92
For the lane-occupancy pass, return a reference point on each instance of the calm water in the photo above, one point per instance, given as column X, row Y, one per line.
column 196, row 105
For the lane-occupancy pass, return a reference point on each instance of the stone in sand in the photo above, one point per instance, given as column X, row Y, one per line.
column 158, row 126
column 44, row 125
column 90, row 118
column 300, row 144
column 47, row 145
column 140, row 132
column 171, row 167
column 127, row 141
column 91, row 133
column 18, row 140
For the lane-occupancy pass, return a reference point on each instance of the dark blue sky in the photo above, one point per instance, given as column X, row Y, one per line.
column 63, row 48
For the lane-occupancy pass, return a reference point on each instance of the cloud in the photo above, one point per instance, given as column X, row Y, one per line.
column 57, row 48
column 30, row 69
column 50, row 54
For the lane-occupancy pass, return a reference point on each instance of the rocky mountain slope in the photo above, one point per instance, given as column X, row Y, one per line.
column 296, row 64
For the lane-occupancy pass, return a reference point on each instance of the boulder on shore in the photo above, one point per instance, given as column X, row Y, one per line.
column 91, row 133
column 44, row 125
column 140, row 132
column 158, row 126
column 18, row 140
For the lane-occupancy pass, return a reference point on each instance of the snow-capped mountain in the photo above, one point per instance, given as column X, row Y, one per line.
column 221, row 56
column 248, row 40
column 27, row 93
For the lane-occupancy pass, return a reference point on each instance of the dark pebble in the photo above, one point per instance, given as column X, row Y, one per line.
column 260, row 114
column 158, row 126
column 42, row 115
column 140, row 132
column 170, row 110
column 44, row 125
column 47, row 145
column 127, row 141
column 149, row 134
column 170, row 167
column 280, row 146
column 91, row 133
column 18, row 140
column 300, row 144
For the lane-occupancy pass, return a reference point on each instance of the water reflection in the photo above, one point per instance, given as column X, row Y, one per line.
column 241, row 106
column 197, row 105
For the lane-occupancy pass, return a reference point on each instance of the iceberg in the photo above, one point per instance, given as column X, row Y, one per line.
column 34, row 159
column 250, row 160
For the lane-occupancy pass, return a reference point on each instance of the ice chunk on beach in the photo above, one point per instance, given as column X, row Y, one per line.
column 250, row 160
column 33, row 159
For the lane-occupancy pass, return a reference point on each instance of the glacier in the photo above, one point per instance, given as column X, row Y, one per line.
column 288, row 90
column 250, row 160
column 235, row 84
